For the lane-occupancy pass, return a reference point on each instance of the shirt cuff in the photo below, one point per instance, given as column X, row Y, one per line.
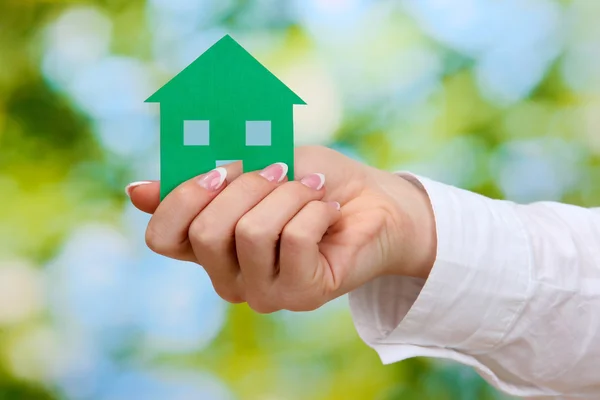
column 477, row 288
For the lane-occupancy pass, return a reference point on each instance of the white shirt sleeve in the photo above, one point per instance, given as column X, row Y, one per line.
column 514, row 293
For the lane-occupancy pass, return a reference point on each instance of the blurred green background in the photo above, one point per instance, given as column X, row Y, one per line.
column 499, row 97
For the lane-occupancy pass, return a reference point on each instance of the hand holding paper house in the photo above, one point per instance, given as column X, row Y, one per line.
column 223, row 107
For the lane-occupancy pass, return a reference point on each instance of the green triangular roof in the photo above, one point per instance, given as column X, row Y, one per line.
column 226, row 59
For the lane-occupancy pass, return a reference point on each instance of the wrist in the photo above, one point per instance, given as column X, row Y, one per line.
column 414, row 244
column 424, row 230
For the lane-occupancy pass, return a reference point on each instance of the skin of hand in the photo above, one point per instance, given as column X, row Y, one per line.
column 293, row 245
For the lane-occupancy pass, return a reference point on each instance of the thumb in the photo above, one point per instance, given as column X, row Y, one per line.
column 145, row 195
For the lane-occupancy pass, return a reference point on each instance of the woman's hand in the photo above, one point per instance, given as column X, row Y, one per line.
column 289, row 245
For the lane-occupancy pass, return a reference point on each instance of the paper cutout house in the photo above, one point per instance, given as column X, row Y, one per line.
column 223, row 107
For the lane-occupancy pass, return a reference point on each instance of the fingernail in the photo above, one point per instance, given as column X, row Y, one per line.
column 335, row 204
column 214, row 179
column 314, row 181
column 133, row 185
column 275, row 172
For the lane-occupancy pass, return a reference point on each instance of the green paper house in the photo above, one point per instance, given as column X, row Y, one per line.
column 223, row 107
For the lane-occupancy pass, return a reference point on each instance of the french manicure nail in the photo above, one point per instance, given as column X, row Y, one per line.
column 275, row 172
column 133, row 185
column 214, row 179
column 314, row 181
column 336, row 205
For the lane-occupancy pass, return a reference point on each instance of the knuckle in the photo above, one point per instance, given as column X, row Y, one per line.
column 251, row 231
column 301, row 304
column 183, row 191
column 186, row 196
column 261, row 305
column 298, row 300
column 229, row 294
column 251, row 185
column 293, row 236
column 200, row 233
column 155, row 241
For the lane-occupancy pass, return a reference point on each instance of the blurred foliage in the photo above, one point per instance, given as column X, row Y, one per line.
column 504, row 103
column 12, row 389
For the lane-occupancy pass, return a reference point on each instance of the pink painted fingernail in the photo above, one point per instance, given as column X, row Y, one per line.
column 275, row 172
column 335, row 204
column 129, row 188
column 314, row 181
column 214, row 179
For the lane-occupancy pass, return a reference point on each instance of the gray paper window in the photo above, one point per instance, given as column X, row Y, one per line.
column 196, row 133
column 258, row 133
